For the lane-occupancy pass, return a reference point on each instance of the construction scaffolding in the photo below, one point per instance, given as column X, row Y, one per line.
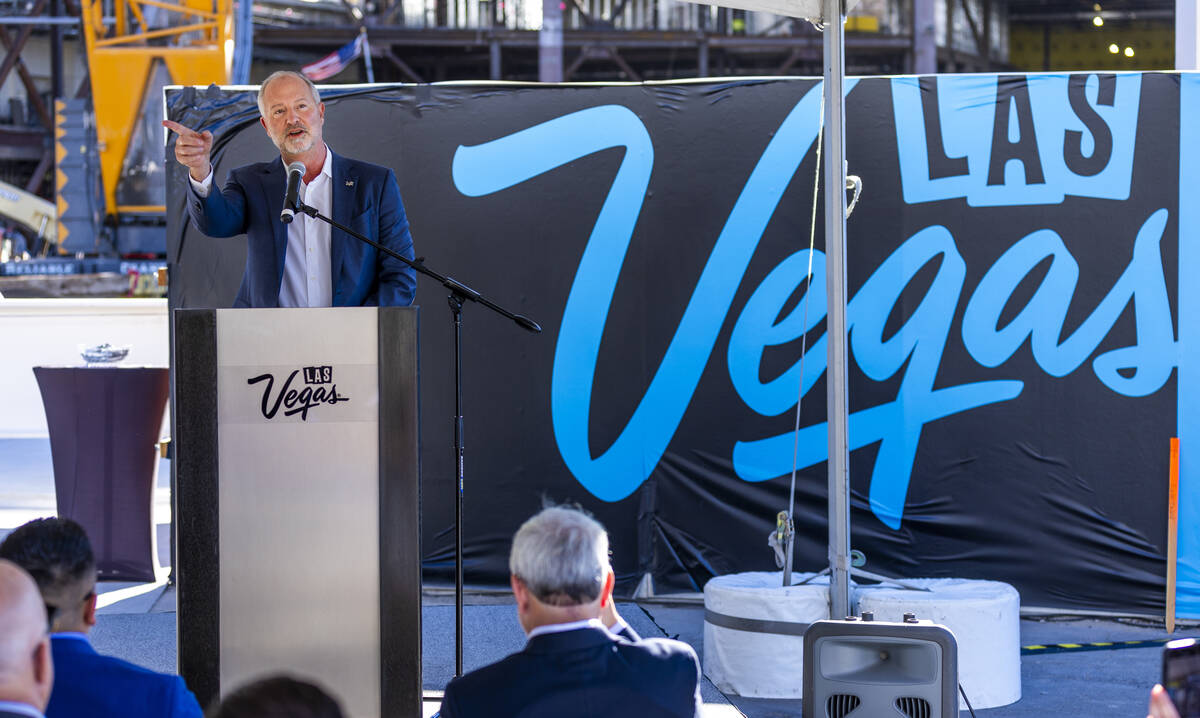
column 106, row 61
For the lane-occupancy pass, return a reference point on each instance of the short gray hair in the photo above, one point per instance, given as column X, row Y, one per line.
column 561, row 555
column 262, row 89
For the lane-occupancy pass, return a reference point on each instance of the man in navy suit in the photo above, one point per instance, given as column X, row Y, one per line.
column 26, row 673
column 57, row 553
column 305, row 263
column 572, row 665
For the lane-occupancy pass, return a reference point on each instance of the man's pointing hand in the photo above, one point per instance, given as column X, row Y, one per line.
column 192, row 149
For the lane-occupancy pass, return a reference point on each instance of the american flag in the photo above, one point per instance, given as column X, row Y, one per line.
column 336, row 61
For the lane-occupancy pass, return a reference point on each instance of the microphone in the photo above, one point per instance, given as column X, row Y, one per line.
column 295, row 173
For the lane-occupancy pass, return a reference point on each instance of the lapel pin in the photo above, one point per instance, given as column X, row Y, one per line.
column 349, row 183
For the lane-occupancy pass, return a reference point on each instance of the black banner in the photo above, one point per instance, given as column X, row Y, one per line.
column 1013, row 285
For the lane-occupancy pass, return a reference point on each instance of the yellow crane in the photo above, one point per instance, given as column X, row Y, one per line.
column 193, row 38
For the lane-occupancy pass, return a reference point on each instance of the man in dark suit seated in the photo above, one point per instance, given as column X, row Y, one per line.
column 57, row 553
column 26, row 673
column 572, row 665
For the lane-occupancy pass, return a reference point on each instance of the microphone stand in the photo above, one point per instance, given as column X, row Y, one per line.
column 459, row 294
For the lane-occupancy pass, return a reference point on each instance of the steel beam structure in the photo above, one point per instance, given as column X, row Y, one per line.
column 513, row 54
column 1086, row 16
column 398, row 35
column 1187, row 35
column 924, row 39
column 42, row 20
column 550, row 42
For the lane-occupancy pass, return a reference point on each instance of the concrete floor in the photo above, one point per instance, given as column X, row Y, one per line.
column 1093, row 683
column 137, row 622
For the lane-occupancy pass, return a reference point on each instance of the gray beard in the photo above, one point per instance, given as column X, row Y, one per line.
column 297, row 145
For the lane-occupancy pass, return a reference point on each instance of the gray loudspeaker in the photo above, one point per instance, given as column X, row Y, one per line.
column 877, row 669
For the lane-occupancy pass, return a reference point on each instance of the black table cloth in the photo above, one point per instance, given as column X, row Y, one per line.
column 104, row 428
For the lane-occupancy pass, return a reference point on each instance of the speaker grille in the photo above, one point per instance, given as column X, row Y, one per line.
column 914, row 707
column 840, row 705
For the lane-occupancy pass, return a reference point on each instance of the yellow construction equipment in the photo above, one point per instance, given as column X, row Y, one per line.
column 193, row 38
column 33, row 213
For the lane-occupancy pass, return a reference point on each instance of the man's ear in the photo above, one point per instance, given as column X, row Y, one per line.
column 519, row 591
column 263, row 121
column 89, row 610
column 610, row 581
column 43, row 666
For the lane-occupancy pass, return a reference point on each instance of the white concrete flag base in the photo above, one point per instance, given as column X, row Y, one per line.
column 984, row 617
column 753, row 626
column 755, row 663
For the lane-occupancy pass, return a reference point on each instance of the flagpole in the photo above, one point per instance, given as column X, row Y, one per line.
column 366, row 50
column 833, row 16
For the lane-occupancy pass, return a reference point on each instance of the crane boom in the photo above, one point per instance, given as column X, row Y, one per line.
column 193, row 38
column 30, row 211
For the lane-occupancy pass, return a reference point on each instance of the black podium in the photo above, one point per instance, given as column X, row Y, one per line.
column 297, row 502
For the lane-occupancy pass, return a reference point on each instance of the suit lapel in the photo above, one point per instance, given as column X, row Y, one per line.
column 342, row 194
column 275, row 184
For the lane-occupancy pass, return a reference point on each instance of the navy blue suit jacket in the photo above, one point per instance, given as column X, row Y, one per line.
column 89, row 684
column 580, row 674
column 365, row 199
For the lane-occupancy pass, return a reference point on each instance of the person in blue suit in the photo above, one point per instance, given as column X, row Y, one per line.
column 26, row 671
column 572, row 665
column 57, row 553
column 305, row 263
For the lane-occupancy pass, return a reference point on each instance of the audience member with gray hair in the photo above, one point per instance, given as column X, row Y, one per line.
column 26, row 671
column 58, row 555
column 572, row 664
column 561, row 557
column 546, row 546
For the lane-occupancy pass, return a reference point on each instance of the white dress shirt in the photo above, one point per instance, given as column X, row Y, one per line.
column 20, row 709
column 307, row 275
column 563, row 627
column 619, row 626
